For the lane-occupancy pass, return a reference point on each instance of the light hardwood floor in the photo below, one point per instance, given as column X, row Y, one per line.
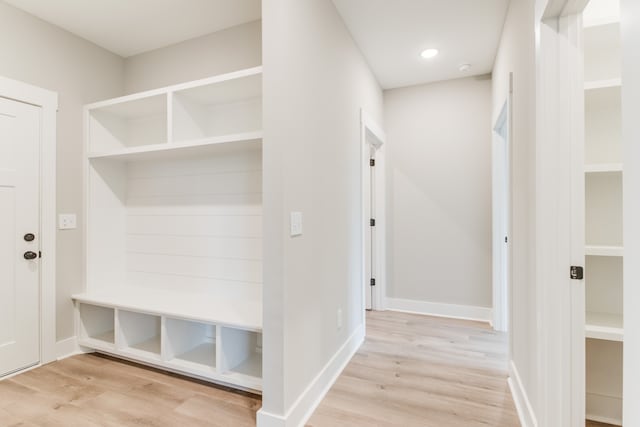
column 422, row 371
column 411, row 371
column 92, row 390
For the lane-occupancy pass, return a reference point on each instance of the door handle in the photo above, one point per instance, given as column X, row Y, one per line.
column 30, row 255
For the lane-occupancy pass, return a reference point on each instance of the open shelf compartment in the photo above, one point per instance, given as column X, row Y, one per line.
column 218, row 108
column 604, row 381
column 140, row 333
column 190, row 345
column 119, row 124
column 603, row 210
column 241, row 352
column 97, row 324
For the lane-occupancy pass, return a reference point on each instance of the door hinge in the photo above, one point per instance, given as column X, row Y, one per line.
column 373, row 282
column 39, row 254
column 506, row 239
column 576, row 272
column 372, row 222
column 372, row 162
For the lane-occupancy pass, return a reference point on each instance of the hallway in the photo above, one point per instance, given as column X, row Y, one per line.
column 422, row 371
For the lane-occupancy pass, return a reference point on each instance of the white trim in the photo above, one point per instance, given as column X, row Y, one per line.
column 302, row 409
column 453, row 311
column 48, row 102
column 525, row 411
column 67, row 348
column 372, row 135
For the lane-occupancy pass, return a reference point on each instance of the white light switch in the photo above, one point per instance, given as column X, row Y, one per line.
column 296, row 224
column 67, row 221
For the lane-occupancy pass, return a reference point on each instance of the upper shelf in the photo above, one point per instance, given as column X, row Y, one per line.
column 189, row 148
column 197, row 113
column 603, row 168
column 599, row 250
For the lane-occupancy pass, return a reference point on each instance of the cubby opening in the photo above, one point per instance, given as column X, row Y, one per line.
column 604, row 297
column 604, row 381
column 602, row 53
column 241, row 352
column 191, row 344
column 603, row 209
column 140, row 332
column 128, row 124
column 97, row 323
column 218, row 109
column 603, row 126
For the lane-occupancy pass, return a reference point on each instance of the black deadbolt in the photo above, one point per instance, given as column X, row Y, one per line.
column 29, row 237
column 30, row 255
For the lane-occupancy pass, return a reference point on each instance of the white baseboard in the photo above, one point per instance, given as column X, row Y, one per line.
column 467, row 312
column 523, row 405
column 308, row 401
column 67, row 347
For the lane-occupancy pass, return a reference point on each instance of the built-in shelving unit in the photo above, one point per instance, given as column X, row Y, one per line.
column 174, row 229
column 604, row 329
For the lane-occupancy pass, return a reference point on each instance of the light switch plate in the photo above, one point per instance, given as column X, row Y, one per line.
column 296, row 224
column 67, row 221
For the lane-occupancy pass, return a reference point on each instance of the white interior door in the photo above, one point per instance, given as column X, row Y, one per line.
column 19, row 235
column 369, row 189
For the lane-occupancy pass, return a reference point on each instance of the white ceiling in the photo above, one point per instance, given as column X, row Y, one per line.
column 392, row 33
column 129, row 27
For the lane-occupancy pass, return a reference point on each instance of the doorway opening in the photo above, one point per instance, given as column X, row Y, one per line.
column 501, row 219
column 373, row 213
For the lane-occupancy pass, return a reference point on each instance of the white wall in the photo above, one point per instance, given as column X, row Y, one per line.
column 439, row 192
column 315, row 82
column 630, row 12
column 517, row 54
column 221, row 52
column 41, row 54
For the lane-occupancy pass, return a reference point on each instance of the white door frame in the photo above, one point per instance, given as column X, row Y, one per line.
column 501, row 203
column 559, row 232
column 48, row 102
column 372, row 135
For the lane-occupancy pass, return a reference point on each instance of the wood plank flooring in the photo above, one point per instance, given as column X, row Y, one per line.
column 422, row 371
column 411, row 371
column 92, row 390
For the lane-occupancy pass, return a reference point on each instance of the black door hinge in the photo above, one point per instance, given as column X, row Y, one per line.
column 506, row 239
column 372, row 162
column 576, row 272
column 372, row 222
column 373, row 282
column 39, row 254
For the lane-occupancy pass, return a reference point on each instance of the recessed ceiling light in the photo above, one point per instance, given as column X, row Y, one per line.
column 429, row 53
column 464, row 67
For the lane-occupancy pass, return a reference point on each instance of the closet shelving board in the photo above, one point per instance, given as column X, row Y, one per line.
column 173, row 185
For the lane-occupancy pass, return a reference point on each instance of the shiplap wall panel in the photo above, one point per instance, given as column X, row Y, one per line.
column 206, row 267
column 202, row 246
column 195, row 223
column 228, row 290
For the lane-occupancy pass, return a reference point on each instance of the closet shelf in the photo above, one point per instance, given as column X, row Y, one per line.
column 598, row 250
column 603, row 84
column 603, row 168
column 245, row 314
column 195, row 147
column 604, row 326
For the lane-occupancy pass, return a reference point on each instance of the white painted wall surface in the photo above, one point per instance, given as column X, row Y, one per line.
column 517, row 54
column 315, row 82
column 630, row 13
column 439, row 192
column 233, row 49
column 41, row 54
